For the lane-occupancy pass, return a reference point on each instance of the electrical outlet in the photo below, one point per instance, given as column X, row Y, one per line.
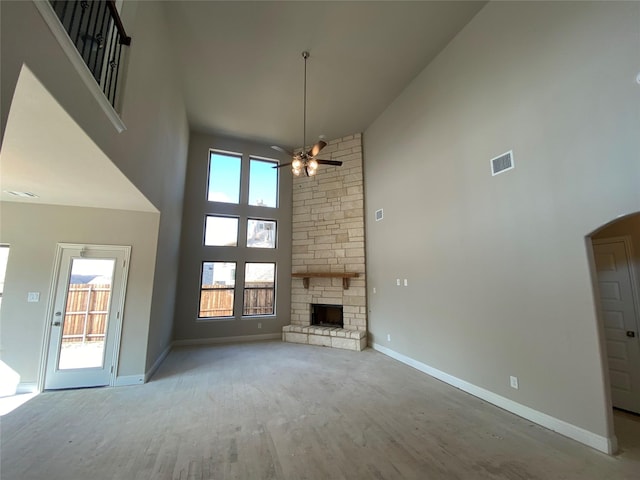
column 406, row 282
column 259, row 325
column 33, row 297
column 514, row 382
column 388, row 337
column 397, row 281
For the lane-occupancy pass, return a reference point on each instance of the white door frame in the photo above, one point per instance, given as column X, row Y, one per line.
column 118, row 303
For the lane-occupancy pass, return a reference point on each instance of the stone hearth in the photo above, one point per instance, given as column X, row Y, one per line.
column 325, row 337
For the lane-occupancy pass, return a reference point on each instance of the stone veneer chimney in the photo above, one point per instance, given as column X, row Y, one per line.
column 328, row 236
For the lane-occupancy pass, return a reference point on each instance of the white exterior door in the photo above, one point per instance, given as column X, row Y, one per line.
column 620, row 316
column 86, row 319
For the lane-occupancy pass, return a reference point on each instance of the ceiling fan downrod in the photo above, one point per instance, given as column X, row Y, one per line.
column 306, row 161
column 305, row 55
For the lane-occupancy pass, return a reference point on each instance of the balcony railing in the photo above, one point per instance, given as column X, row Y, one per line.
column 95, row 28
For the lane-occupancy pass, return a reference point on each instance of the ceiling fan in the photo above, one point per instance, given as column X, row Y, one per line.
column 306, row 161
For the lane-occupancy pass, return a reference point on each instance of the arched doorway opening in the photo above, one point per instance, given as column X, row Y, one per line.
column 615, row 270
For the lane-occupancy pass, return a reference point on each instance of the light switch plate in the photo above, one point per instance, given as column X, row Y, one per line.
column 33, row 297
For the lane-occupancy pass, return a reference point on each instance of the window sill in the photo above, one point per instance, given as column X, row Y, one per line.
column 215, row 319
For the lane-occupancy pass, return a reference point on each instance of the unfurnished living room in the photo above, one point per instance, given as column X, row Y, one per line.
column 319, row 240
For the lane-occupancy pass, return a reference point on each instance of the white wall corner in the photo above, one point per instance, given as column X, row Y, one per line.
column 604, row 444
column 157, row 363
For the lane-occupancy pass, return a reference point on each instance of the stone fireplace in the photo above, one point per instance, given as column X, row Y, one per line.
column 328, row 255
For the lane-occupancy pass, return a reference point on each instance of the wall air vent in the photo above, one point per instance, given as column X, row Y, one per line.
column 379, row 215
column 502, row 163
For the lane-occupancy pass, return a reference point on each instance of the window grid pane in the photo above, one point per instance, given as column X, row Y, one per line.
column 261, row 233
column 224, row 178
column 259, row 289
column 263, row 183
column 221, row 231
column 217, row 287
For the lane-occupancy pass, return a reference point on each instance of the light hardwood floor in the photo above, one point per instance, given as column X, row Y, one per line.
column 272, row 410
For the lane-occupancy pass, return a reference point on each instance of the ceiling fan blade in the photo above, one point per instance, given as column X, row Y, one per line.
column 315, row 150
column 282, row 165
column 280, row 149
column 337, row 163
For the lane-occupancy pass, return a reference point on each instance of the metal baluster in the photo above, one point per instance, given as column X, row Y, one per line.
column 84, row 4
column 64, row 12
column 73, row 16
column 110, row 60
column 98, row 60
column 87, row 37
column 115, row 84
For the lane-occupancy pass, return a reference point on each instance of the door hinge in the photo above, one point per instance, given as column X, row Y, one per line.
column 111, row 369
column 118, row 315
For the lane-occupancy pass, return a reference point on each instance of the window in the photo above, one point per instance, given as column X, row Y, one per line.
column 240, row 216
column 261, row 233
column 224, row 177
column 221, row 231
column 259, row 288
column 217, row 286
column 263, row 183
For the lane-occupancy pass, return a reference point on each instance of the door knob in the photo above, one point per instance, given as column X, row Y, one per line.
column 631, row 333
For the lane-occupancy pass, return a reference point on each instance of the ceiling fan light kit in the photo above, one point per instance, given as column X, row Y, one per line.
column 306, row 161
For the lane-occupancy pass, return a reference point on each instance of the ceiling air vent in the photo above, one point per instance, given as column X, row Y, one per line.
column 502, row 163
column 378, row 215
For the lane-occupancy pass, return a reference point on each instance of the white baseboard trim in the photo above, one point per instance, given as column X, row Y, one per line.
column 219, row 340
column 126, row 380
column 27, row 387
column 157, row 363
column 598, row 442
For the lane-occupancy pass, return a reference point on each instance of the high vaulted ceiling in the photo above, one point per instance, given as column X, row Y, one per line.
column 242, row 69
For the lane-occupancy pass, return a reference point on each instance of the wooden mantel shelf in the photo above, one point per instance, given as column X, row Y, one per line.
column 345, row 276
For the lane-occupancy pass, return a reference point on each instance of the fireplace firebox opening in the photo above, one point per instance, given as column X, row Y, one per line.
column 326, row 315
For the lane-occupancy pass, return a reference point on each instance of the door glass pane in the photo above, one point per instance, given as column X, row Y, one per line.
column 259, row 288
column 221, row 231
column 86, row 313
column 263, row 183
column 224, row 178
column 261, row 233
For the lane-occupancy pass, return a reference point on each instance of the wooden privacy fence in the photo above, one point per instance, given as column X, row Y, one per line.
column 86, row 313
column 217, row 301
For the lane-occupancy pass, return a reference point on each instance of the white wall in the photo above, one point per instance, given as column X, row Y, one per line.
column 499, row 281
column 30, row 269
column 151, row 152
